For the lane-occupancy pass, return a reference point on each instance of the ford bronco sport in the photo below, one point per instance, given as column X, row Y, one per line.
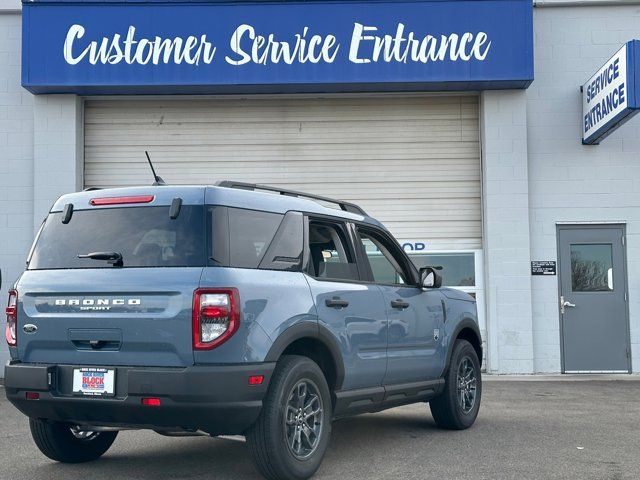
column 229, row 309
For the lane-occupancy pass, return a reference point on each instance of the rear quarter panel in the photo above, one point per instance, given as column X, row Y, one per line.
column 270, row 302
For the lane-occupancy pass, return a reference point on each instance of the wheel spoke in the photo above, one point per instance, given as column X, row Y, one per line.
column 312, row 414
column 302, row 393
column 299, row 440
column 291, row 415
column 310, row 436
column 308, row 409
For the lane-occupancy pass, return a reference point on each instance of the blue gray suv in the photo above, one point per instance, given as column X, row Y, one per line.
column 229, row 309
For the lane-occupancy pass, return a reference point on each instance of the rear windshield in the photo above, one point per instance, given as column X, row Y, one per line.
column 144, row 236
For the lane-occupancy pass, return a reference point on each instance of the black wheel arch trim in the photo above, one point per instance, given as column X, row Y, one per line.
column 313, row 330
column 473, row 326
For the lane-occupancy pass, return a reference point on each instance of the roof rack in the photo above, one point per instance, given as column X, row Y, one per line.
column 345, row 206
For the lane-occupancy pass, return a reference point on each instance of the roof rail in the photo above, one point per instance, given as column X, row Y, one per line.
column 345, row 206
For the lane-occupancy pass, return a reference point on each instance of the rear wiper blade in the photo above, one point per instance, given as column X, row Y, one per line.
column 114, row 258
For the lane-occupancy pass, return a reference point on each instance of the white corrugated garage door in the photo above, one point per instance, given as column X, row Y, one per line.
column 412, row 162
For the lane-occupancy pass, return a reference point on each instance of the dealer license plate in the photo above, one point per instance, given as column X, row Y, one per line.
column 94, row 381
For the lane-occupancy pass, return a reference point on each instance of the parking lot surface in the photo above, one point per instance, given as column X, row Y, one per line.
column 525, row 430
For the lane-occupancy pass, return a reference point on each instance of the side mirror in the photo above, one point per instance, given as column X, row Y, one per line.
column 429, row 278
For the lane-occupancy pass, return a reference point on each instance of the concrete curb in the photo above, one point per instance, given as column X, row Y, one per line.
column 562, row 378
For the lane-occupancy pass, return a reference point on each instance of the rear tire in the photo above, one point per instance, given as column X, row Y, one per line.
column 58, row 441
column 458, row 405
column 288, row 442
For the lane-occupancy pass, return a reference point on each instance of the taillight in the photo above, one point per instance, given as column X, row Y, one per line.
column 12, row 319
column 216, row 316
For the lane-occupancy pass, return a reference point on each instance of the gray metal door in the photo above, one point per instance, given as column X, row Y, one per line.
column 593, row 299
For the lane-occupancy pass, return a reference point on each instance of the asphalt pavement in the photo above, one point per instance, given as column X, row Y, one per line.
column 525, row 430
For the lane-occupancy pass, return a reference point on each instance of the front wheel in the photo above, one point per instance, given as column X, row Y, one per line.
column 289, row 439
column 67, row 443
column 458, row 405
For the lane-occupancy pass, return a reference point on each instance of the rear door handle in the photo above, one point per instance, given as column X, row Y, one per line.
column 399, row 304
column 336, row 302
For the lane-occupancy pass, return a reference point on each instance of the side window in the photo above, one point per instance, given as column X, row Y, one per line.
column 330, row 255
column 250, row 233
column 384, row 266
column 286, row 250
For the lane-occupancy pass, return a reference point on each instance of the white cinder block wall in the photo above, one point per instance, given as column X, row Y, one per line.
column 16, row 157
column 506, row 231
column 568, row 181
column 58, row 147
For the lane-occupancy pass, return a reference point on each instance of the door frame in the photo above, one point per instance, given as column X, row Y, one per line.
column 584, row 226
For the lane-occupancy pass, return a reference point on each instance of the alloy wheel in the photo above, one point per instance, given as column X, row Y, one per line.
column 303, row 419
column 81, row 434
column 466, row 385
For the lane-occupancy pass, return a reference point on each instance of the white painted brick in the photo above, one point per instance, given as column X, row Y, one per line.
column 516, row 366
column 10, row 5
column 548, row 365
column 57, row 170
column 506, row 232
column 16, row 137
column 607, row 37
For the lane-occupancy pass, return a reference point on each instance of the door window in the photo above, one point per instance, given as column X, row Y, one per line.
column 385, row 267
column 591, row 267
column 330, row 255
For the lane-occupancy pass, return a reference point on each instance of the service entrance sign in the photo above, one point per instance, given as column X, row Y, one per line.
column 611, row 96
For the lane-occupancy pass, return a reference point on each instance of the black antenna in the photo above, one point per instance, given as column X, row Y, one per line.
column 158, row 180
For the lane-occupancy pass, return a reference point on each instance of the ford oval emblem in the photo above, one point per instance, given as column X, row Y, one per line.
column 29, row 328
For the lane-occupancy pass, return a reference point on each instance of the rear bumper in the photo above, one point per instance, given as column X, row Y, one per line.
column 216, row 399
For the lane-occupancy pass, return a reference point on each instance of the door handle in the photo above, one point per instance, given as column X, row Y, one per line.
column 336, row 302
column 565, row 304
column 399, row 304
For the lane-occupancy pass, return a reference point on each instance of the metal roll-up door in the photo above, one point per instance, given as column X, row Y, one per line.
column 412, row 162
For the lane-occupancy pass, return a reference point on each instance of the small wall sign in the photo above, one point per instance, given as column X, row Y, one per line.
column 544, row 267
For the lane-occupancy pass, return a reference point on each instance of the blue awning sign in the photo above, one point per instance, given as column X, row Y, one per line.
column 612, row 95
column 319, row 46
